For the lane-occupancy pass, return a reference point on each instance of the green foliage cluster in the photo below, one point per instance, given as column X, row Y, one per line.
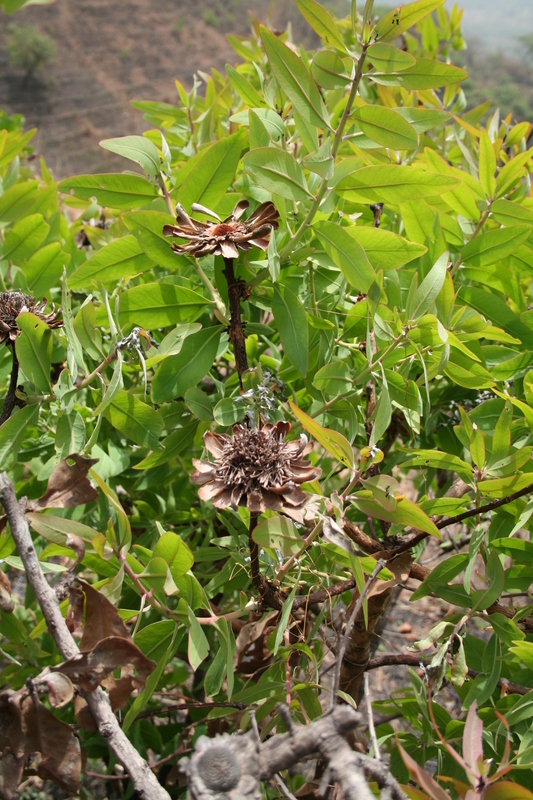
column 29, row 49
column 392, row 311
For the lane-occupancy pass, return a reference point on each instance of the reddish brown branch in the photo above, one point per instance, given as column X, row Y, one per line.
column 237, row 290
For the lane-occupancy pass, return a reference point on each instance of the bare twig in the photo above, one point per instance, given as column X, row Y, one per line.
column 370, row 717
column 140, row 773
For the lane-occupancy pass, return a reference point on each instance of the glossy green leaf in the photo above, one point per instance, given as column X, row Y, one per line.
column 328, row 70
column 278, row 533
column 406, row 513
column 45, row 268
column 384, row 249
column 212, row 172
column 335, row 443
column 120, row 259
column 12, row 433
column 114, row 190
column 322, row 23
column 178, row 373
column 147, row 227
column 154, row 639
column 401, row 19
column 346, row 253
column 56, row 529
column 158, row 305
column 423, row 119
column 135, row 419
column 385, row 127
column 429, row 289
column 387, row 58
column 493, row 246
column 25, row 237
column 333, row 379
column 425, row 74
column 244, row 88
column 277, row 172
column 172, row 549
column 291, row 323
column 198, row 648
column 174, row 445
column 136, row 148
column 393, row 184
column 487, row 165
column 16, row 201
column 295, row 80
column 34, row 349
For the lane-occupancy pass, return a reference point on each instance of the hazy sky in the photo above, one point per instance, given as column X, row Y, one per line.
column 497, row 23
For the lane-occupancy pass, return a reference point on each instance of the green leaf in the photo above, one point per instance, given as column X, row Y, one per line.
column 172, row 549
column 383, row 415
column 136, row 148
column 406, row 513
column 346, row 253
column 437, row 460
column 393, row 184
column 386, row 127
column 322, row 23
column 384, row 249
column 227, row 412
column 429, row 289
column 123, row 258
column 291, row 322
column 25, row 237
column 16, row 201
column 278, row 533
column 178, row 373
column 12, row 433
column 497, row 311
column 295, row 80
column 158, row 305
column 174, row 444
column 278, row 172
column 68, row 326
column 244, row 88
column 56, row 529
column 483, row 598
column 423, row 119
column 198, row 648
column 425, row 74
column 501, row 487
column 135, row 419
column 45, row 267
column 493, row 246
column 321, row 162
column 115, row 190
column 333, row 379
column 328, row 70
column 212, row 172
column 335, row 443
column 511, row 172
column 34, row 349
column 154, row 640
column 284, row 618
column 70, row 434
column 153, row 679
column 398, row 21
column 199, row 404
column 487, row 165
column 115, row 385
column 387, row 58
column 147, row 227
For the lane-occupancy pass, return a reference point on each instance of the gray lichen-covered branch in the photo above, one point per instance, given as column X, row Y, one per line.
column 143, row 779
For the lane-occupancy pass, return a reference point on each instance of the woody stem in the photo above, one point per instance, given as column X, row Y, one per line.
column 254, row 555
column 11, row 397
column 236, row 290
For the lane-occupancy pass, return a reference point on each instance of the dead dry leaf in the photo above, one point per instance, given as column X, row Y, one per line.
column 68, row 485
column 101, row 619
column 6, row 601
column 88, row 670
column 51, row 745
column 58, row 687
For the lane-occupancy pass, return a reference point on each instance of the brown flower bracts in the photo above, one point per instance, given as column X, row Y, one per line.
column 256, row 468
column 224, row 237
column 14, row 303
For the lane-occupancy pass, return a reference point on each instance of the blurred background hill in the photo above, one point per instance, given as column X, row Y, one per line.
column 108, row 53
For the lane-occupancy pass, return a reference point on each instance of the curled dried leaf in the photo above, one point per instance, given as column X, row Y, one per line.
column 101, row 619
column 68, row 485
column 6, row 601
column 58, row 687
column 89, row 669
column 51, row 745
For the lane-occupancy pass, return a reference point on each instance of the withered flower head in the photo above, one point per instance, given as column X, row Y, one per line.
column 224, row 237
column 14, row 303
column 256, row 468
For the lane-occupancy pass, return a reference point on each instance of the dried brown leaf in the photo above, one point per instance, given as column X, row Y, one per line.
column 84, row 718
column 58, row 687
column 75, row 611
column 59, row 753
column 6, row 601
column 11, row 768
column 88, row 670
column 68, row 485
column 76, row 544
column 251, row 651
column 398, row 565
column 101, row 619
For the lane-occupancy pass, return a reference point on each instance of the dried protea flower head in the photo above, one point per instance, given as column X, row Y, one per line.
column 14, row 303
column 224, row 237
column 256, row 468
